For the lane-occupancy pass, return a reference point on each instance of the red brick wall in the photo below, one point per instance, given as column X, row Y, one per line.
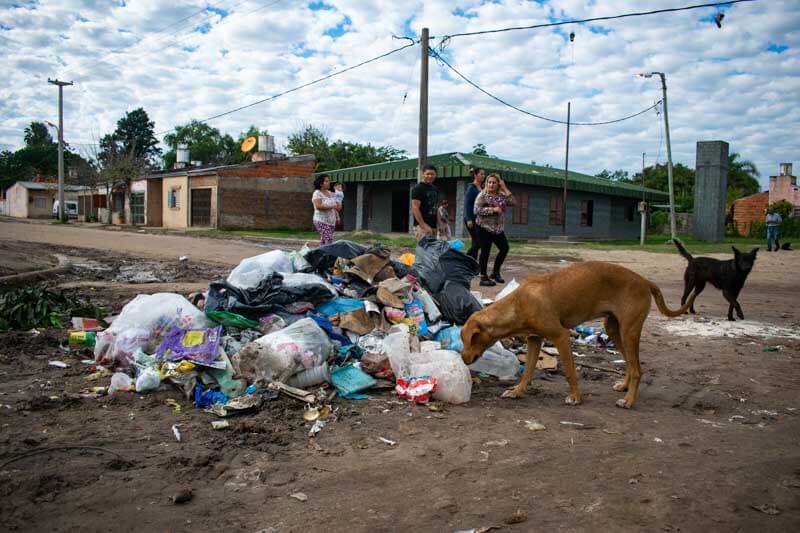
column 748, row 210
column 271, row 194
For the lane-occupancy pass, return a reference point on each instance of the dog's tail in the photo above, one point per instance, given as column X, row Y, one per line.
column 662, row 306
column 684, row 252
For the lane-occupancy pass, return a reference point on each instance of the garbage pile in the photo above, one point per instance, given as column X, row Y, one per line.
column 339, row 319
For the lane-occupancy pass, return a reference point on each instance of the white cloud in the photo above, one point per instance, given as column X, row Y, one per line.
column 723, row 83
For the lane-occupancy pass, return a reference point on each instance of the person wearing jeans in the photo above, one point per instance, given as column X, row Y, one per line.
column 773, row 229
column 490, row 208
column 473, row 189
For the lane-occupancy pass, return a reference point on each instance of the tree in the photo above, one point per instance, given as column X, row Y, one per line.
column 37, row 134
column 656, row 177
column 480, row 149
column 742, row 178
column 205, row 143
column 617, row 175
column 783, row 207
column 135, row 135
column 339, row 154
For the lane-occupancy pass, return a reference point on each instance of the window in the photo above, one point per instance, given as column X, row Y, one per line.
column 556, row 208
column 520, row 213
column 40, row 202
column 629, row 209
column 587, row 212
column 174, row 198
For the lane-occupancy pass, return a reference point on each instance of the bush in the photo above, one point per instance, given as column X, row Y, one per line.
column 659, row 218
column 790, row 229
column 783, row 207
column 732, row 230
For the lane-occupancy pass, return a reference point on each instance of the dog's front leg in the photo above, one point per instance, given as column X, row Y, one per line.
column 564, row 345
column 534, row 347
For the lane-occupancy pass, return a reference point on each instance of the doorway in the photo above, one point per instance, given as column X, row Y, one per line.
column 400, row 210
column 201, row 207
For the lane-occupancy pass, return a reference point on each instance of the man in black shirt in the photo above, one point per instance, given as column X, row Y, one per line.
column 424, row 204
column 469, row 209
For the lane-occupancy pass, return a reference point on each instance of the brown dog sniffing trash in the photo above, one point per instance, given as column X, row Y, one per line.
column 548, row 306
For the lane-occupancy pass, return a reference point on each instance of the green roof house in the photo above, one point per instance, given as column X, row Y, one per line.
column 377, row 198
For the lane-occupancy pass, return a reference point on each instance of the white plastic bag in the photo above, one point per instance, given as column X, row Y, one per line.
column 119, row 381
column 148, row 380
column 396, row 347
column 299, row 263
column 497, row 361
column 142, row 324
column 250, row 271
column 453, row 380
column 508, row 289
column 281, row 354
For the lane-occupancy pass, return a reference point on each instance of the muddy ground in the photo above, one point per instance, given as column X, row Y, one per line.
column 711, row 444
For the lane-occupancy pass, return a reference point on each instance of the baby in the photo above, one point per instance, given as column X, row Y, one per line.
column 338, row 193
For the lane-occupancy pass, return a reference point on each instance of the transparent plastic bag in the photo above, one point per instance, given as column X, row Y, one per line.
column 508, row 289
column 281, row 354
column 142, row 324
column 396, row 346
column 497, row 361
column 250, row 271
column 453, row 380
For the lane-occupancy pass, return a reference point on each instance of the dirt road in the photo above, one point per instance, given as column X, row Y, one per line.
column 711, row 444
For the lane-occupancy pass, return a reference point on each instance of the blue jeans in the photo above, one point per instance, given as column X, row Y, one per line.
column 772, row 235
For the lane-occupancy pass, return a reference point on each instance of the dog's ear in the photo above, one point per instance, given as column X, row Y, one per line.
column 736, row 251
column 754, row 251
column 470, row 330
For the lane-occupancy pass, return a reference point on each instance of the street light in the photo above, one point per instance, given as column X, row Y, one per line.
column 60, row 171
column 672, row 228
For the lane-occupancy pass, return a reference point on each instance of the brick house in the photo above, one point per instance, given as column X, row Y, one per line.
column 272, row 193
column 751, row 208
column 377, row 198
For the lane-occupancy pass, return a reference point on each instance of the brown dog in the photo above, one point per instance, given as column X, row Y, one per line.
column 547, row 306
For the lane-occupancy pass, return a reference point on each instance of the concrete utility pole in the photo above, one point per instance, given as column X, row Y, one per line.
column 423, row 103
column 61, row 85
column 566, row 177
column 643, row 210
column 672, row 226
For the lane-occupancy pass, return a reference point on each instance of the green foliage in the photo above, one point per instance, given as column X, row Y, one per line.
column 39, row 156
column 135, row 135
column 332, row 155
column 206, row 144
column 783, row 207
column 617, row 175
column 35, row 307
column 659, row 218
column 480, row 149
column 37, row 134
column 790, row 229
column 742, row 178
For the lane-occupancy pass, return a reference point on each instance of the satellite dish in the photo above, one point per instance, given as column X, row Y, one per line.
column 248, row 144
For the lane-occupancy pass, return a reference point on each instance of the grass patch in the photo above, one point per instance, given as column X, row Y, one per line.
column 663, row 244
column 312, row 237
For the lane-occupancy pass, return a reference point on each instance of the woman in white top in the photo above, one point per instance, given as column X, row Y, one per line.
column 325, row 206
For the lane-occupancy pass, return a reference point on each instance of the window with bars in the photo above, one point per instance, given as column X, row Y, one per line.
column 173, row 199
column 520, row 211
column 556, row 208
column 587, row 212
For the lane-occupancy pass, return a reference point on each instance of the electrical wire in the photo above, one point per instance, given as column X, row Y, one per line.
column 593, row 19
column 512, row 106
column 303, row 86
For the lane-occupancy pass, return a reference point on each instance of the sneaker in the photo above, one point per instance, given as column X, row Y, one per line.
column 486, row 282
column 498, row 278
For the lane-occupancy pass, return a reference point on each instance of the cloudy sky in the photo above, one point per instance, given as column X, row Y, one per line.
column 192, row 59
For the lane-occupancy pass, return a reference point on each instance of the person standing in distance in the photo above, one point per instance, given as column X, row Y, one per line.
column 490, row 210
column 469, row 209
column 424, row 204
column 774, row 221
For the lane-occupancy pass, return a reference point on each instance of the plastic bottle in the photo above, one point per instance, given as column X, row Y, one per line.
column 584, row 330
column 497, row 361
column 310, row 377
column 86, row 338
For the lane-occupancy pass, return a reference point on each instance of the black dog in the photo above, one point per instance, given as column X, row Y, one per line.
column 728, row 276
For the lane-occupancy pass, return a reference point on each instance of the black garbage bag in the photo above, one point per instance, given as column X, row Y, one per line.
column 269, row 296
column 456, row 303
column 436, row 262
column 323, row 257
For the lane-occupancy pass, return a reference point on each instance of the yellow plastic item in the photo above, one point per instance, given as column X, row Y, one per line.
column 193, row 338
column 407, row 259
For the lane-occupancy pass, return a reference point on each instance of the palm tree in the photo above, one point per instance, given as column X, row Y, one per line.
column 742, row 178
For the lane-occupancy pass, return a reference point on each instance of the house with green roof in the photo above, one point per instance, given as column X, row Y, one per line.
column 378, row 198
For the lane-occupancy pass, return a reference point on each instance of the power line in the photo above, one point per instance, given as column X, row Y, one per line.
column 297, row 88
column 512, row 106
column 594, row 19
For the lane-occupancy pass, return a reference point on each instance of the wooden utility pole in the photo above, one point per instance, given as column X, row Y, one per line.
column 566, row 174
column 60, row 145
column 423, row 103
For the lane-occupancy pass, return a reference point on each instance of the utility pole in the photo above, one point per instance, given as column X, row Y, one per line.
column 643, row 210
column 566, row 174
column 423, row 103
column 61, row 85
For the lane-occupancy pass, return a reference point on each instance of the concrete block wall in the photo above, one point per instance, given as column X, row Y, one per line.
column 710, row 190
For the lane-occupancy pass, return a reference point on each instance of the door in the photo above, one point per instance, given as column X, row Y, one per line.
column 201, row 207
column 400, row 206
column 137, row 208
